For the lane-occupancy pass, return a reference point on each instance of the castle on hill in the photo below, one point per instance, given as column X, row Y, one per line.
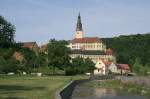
column 90, row 47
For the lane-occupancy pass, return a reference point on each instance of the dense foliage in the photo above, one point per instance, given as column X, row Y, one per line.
column 7, row 31
column 133, row 50
column 58, row 54
column 8, row 63
column 81, row 66
column 58, row 57
column 128, row 48
column 8, row 47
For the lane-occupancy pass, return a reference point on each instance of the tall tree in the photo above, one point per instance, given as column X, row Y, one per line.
column 58, row 54
column 30, row 59
column 78, row 65
column 89, row 65
column 81, row 66
column 7, row 31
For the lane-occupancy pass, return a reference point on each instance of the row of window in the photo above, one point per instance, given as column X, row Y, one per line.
column 88, row 46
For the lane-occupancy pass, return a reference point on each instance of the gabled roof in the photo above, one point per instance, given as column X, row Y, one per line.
column 123, row 66
column 29, row 44
column 88, row 52
column 86, row 40
column 107, row 63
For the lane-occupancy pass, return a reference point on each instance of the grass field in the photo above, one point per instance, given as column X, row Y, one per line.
column 29, row 87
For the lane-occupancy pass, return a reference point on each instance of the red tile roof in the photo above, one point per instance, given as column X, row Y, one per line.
column 86, row 40
column 123, row 66
column 29, row 44
column 107, row 63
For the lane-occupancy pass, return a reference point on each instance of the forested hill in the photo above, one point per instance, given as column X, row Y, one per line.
column 130, row 47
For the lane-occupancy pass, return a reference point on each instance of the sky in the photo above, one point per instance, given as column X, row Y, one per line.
column 42, row 20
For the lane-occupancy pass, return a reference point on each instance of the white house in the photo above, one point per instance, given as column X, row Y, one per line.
column 113, row 68
column 100, row 68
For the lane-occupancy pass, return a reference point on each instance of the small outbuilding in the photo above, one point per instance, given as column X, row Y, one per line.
column 123, row 69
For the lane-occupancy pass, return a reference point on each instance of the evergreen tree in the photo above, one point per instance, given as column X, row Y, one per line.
column 7, row 32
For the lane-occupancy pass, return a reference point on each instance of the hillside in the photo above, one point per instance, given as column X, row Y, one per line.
column 127, row 48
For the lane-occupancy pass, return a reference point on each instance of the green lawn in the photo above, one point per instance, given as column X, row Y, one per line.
column 28, row 87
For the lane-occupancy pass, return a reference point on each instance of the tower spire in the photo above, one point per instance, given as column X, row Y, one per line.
column 79, row 24
column 79, row 30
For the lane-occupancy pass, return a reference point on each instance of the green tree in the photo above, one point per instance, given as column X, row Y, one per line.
column 89, row 65
column 81, row 66
column 9, row 65
column 30, row 59
column 143, row 71
column 78, row 65
column 41, row 60
column 128, row 47
column 147, row 66
column 7, row 32
column 58, row 55
column 137, row 66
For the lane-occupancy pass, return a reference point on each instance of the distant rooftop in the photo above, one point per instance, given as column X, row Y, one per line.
column 86, row 40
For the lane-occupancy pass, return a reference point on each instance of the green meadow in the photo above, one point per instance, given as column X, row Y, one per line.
column 31, row 87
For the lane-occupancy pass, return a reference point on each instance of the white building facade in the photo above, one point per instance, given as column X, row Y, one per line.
column 90, row 47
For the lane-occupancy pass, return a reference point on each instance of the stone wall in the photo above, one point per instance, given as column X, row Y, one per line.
column 67, row 91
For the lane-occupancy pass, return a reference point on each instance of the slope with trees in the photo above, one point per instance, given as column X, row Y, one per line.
column 128, row 48
column 58, row 57
column 8, row 47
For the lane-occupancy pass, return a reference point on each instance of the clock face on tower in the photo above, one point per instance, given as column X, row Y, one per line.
column 79, row 34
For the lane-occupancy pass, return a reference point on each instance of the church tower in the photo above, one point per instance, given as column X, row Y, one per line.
column 79, row 30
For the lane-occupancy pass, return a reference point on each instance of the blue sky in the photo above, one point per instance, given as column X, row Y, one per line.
column 40, row 20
